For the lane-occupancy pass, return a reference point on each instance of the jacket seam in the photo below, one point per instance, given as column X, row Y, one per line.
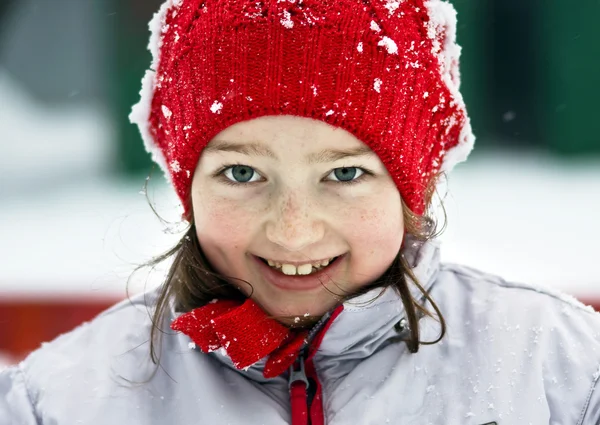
column 586, row 404
column 498, row 281
column 28, row 393
column 368, row 307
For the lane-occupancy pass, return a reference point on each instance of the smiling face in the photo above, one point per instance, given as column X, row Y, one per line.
column 277, row 188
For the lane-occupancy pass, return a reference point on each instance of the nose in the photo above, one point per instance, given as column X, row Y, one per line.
column 295, row 224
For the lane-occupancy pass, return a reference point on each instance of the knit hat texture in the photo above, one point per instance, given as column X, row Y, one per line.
column 385, row 71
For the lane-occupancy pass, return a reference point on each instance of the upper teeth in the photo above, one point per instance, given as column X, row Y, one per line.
column 304, row 269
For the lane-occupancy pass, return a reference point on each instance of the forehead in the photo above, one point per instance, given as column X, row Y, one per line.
column 284, row 129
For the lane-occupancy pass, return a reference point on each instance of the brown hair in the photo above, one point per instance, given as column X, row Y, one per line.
column 191, row 282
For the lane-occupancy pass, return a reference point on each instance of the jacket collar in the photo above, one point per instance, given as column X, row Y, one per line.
column 367, row 321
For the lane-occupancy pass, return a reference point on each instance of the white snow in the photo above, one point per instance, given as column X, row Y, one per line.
column 392, row 5
column 140, row 115
column 527, row 217
column 389, row 44
column 286, row 21
column 175, row 166
column 140, row 112
column 377, row 85
column 216, row 107
column 166, row 111
column 443, row 18
column 85, row 237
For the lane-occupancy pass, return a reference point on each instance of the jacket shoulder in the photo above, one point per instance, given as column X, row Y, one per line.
column 477, row 280
column 127, row 322
column 16, row 406
column 554, row 332
column 96, row 356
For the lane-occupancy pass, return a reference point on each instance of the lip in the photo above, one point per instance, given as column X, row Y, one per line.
column 299, row 263
column 298, row 283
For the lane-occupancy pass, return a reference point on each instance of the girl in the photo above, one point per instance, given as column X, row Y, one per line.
column 305, row 139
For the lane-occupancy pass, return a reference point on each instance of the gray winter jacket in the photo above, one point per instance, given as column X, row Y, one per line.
column 513, row 354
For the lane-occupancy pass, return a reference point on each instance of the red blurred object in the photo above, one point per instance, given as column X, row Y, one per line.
column 594, row 302
column 27, row 322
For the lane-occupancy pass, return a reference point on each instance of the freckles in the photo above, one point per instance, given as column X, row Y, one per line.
column 377, row 225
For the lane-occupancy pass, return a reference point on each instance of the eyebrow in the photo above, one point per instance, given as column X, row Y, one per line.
column 258, row 149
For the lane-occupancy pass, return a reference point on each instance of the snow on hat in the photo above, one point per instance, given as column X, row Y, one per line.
column 385, row 71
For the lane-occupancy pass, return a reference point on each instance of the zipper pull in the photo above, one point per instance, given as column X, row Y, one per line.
column 298, row 385
column 298, row 375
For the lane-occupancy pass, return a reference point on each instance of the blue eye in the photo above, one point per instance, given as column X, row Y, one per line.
column 347, row 174
column 239, row 173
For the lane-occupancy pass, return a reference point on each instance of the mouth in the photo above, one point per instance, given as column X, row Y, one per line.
column 304, row 270
column 317, row 278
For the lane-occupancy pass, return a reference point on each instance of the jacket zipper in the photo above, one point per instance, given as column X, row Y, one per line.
column 298, row 385
column 303, row 413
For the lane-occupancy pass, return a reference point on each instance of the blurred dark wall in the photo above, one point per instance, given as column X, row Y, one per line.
column 56, row 48
column 129, row 34
column 568, row 104
column 530, row 73
column 4, row 9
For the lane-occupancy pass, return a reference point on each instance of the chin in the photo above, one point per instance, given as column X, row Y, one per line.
column 298, row 312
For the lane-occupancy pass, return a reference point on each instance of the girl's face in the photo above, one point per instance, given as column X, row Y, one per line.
column 295, row 190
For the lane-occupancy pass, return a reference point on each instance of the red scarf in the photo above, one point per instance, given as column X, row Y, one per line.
column 245, row 332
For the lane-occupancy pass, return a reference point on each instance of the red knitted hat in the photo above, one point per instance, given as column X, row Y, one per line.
column 384, row 70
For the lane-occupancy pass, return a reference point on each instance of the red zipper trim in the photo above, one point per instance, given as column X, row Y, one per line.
column 298, row 394
column 299, row 403
column 317, row 417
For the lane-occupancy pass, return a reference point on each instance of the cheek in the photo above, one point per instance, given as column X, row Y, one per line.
column 221, row 227
column 216, row 214
column 376, row 220
column 375, row 236
column 377, row 230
